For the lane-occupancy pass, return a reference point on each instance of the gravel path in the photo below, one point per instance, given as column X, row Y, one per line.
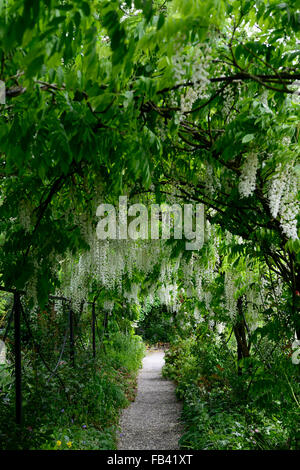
column 151, row 422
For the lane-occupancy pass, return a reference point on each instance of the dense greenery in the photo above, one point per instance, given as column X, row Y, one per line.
column 156, row 323
column 69, row 407
column 165, row 102
column 222, row 410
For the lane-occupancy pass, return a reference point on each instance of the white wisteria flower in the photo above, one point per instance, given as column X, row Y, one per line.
column 248, row 177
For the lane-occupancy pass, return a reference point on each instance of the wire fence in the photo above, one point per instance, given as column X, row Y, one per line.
column 72, row 338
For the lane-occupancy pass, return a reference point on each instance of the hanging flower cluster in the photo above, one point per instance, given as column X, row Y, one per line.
column 230, row 301
column 193, row 63
column 110, row 262
column 283, row 200
column 248, row 176
column 275, row 192
column 183, row 285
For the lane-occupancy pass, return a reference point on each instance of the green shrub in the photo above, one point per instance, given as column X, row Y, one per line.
column 125, row 351
column 80, row 408
column 224, row 410
column 157, row 325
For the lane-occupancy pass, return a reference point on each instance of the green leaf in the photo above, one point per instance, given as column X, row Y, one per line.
column 161, row 21
column 86, row 8
column 248, row 138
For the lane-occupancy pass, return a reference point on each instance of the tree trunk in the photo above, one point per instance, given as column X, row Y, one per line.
column 239, row 329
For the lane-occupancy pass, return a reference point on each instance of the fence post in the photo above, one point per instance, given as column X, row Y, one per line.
column 71, row 326
column 94, row 329
column 17, row 347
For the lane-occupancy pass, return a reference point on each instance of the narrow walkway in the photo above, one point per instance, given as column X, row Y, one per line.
column 151, row 422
